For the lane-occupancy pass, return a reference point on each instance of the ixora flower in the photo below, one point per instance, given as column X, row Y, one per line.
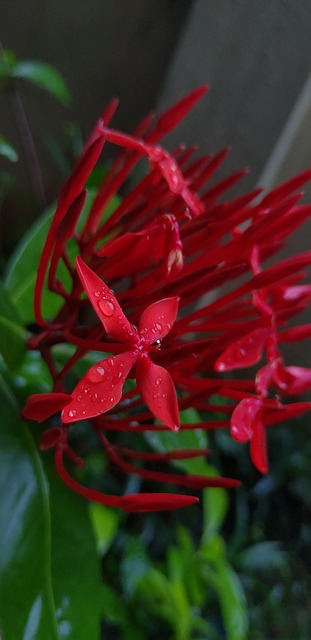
column 146, row 267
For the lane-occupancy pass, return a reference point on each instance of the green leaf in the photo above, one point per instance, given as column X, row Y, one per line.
column 7, row 62
column 215, row 507
column 26, row 599
column 164, row 441
column 50, row 584
column 7, row 150
column 232, row 600
column 45, row 76
column 12, row 332
column 105, row 525
column 74, row 563
column 21, row 273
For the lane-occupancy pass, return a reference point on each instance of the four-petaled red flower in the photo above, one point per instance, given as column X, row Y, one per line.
column 101, row 388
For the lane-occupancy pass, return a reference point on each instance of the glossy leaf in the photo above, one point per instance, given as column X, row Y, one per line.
column 26, row 597
column 21, row 272
column 74, row 563
column 45, row 76
column 12, row 332
column 49, row 570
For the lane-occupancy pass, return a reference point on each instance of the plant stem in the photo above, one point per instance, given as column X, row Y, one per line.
column 26, row 141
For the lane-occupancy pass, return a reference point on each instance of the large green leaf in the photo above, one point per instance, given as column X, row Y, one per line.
column 21, row 273
column 22, row 269
column 27, row 609
column 12, row 332
column 50, row 585
column 75, row 564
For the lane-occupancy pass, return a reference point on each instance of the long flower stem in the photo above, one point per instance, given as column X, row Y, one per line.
column 26, row 141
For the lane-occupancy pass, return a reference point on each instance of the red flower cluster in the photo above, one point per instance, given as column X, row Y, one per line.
column 162, row 249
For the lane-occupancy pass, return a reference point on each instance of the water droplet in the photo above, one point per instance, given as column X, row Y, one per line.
column 158, row 381
column 110, row 361
column 107, row 307
column 96, row 374
column 97, row 294
column 111, row 399
column 94, row 397
column 168, row 325
column 117, row 378
column 79, row 398
column 83, row 413
column 72, row 413
column 158, row 326
column 86, row 389
column 240, row 353
column 234, row 430
column 100, row 371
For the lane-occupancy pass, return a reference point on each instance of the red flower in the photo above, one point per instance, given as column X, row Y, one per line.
column 101, row 388
column 163, row 248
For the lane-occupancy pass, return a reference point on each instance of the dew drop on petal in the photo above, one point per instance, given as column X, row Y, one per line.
column 158, row 381
column 158, row 326
column 79, row 398
column 97, row 294
column 107, row 307
column 94, row 397
column 234, row 430
column 72, row 413
column 110, row 361
column 117, row 377
column 95, row 375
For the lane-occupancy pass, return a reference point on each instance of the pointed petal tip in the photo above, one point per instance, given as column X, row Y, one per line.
column 41, row 406
column 146, row 502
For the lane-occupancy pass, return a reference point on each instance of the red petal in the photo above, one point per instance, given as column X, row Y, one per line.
column 158, row 391
column 244, row 352
column 157, row 320
column 172, row 116
column 81, row 172
column 258, row 448
column 100, row 389
column 105, row 305
column 242, row 419
column 41, row 406
column 51, row 438
column 292, row 380
column 263, row 379
column 136, row 502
